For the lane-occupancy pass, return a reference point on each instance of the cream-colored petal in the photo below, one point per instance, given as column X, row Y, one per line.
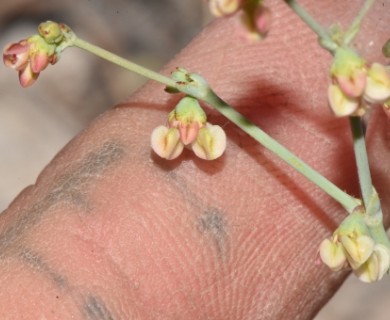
column 340, row 104
column 368, row 272
column 358, row 249
column 220, row 8
column 332, row 254
column 378, row 84
column 210, row 143
column 166, row 142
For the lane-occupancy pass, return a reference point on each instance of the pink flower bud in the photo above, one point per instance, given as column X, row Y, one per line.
column 188, row 132
column 27, row 77
column 349, row 71
column 263, row 19
column 188, row 117
column 352, row 85
column 16, row 55
column 39, row 61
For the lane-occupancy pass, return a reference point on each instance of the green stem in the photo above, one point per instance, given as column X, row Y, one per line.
column 200, row 91
column 355, row 25
column 325, row 40
column 126, row 64
column 348, row 202
column 359, row 145
column 378, row 233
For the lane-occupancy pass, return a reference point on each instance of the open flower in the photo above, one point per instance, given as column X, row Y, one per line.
column 32, row 55
column 332, row 253
column 210, row 142
column 349, row 72
column 356, row 87
column 187, row 126
column 358, row 248
column 340, row 103
column 221, row 8
column 166, row 142
column 188, row 117
column 29, row 56
column 254, row 17
column 375, row 266
column 377, row 89
column 352, row 246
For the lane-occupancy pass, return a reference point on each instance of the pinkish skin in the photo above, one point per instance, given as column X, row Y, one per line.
column 353, row 86
column 386, row 109
column 16, row 55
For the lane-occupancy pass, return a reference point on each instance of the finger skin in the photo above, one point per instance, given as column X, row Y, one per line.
column 109, row 231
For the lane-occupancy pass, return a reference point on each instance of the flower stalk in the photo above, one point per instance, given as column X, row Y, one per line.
column 363, row 167
column 356, row 23
column 324, row 37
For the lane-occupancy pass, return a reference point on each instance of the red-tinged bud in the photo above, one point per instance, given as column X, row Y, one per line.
column 27, row 77
column 16, row 55
column 39, row 61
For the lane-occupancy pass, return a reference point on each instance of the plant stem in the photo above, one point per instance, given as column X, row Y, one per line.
column 202, row 92
column 126, row 64
column 348, row 202
column 325, row 40
column 355, row 25
column 360, row 150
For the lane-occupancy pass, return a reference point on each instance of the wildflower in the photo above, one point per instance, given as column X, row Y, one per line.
column 355, row 86
column 256, row 22
column 32, row 55
column 340, row 103
column 353, row 246
column 210, row 142
column 333, row 254
column 221, row 8
column 375, row 266
column 349, row 72
column 377, row 89
column 189, row 118
column 187, row 126
column 166, row 142
column 358, row 248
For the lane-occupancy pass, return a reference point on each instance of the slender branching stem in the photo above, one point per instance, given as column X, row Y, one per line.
column 207, row 95
column 360, row 150
column 324, row 37
column 124, row 63
column 348, row 202
column 356, row 23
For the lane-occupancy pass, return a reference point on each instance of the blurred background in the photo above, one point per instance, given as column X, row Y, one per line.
column 35, row 123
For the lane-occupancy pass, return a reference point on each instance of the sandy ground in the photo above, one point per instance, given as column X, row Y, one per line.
column 36, row 123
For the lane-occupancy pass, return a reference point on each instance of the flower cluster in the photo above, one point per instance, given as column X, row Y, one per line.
column 32, row 55
column 353, row 247
column 255, row 18
column 356, row 86
column 188, row 127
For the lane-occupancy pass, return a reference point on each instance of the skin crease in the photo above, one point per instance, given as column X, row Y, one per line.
column 109, row 231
